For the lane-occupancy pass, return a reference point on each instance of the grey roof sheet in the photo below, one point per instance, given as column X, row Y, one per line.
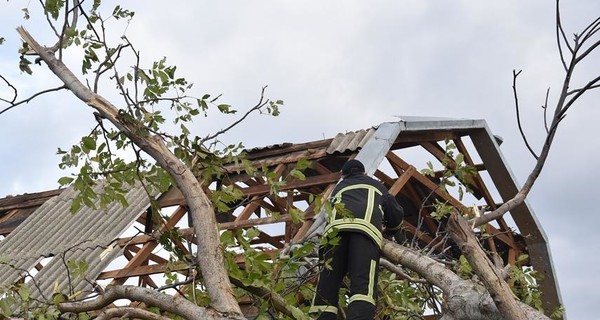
column 350, row 141
column 52, row 231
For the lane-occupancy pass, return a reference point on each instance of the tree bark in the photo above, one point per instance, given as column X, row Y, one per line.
column 465, row 299
column 174, row 304
column 209, row 255
column 491, row 277
column 129, row 313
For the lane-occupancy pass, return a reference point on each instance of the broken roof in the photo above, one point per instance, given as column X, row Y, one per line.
column 51, row 228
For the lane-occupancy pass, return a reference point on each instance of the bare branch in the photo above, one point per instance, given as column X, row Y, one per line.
column 578, row 94
column 516, row 96
column 561, row 37
column 37, row 94
column 129, row 313
column 545, row 107
column 589, row 32
column 261, row 103
column 591, row 29
column 56, row 33
column 398, row 271
column 14, row 89
column 587, row 52
column 174, row 304
column 579, row 89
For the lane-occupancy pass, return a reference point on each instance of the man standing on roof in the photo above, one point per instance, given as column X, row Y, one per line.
column 367, row 206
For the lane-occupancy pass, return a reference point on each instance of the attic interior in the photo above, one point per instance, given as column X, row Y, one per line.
column 142, row 260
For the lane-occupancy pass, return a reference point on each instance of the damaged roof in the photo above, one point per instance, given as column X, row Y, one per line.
column 40, row 225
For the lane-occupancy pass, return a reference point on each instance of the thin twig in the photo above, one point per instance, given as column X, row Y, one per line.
column 516, row 97
column 545, row 107
column 261, row 103
column 560, row 33
column 31, row 98
column 14, row 89
column 398, row 271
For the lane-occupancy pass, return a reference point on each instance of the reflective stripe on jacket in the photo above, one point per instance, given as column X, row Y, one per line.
column 367, row 206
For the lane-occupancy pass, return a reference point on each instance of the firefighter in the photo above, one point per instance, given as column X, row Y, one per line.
column 366, row 206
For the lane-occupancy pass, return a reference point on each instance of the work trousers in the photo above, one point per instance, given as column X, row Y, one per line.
column 358, row 257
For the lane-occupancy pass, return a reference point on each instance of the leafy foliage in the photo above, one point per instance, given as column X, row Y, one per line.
column 456, row 174
column 401, row 299
column 106, row 163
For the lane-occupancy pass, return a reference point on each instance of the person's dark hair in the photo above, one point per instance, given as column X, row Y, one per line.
column 352, row 167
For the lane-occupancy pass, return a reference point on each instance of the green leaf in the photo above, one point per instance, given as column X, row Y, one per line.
column 65, row 181
column 75, row 205
column 225, row 108
column 5, row 304
column 24, row 65
column 89, row 143
column 297, row 215
column 252, row 233
column 227, row 238
column 24, row 292
column 460, row 158
column 297, row 174
column 58, row 297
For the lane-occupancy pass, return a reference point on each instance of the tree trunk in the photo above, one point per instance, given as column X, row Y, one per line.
column 491, row 277
column 465, row 299
column 209, row 255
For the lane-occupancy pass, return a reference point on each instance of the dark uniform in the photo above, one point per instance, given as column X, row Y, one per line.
column 367, row 206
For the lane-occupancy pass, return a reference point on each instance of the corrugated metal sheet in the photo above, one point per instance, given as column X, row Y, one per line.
column 269, row 147
column 52, row 231
column 350, row 141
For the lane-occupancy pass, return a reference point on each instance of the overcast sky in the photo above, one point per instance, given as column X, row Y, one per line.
column 348, row 65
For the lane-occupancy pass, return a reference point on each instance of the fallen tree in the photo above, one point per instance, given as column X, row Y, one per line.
column 485, row 296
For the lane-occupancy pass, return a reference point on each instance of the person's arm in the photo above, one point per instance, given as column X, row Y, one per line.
column 393, row 213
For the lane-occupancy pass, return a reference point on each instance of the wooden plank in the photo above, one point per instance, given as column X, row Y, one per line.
column 438, row 152
column 249, row 209
column 402, row 180
column 28, row 199
column 153, row 257
column 172, row 197
column 144, row 253
column 294, row 184
column 13, row 218
column 478, row 181
column 284, row 150
column 270, row 240
column 321, row 169
column 396, row 161
column 502, row 236
column 438, row 191
column 407, row 139
column 418, row 233
column 136, row 271
column 142, row 239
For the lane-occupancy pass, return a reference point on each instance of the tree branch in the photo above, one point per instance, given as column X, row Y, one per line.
column 560, row 34
column 516, row 97
column 129, row 313
column 276, row 300
column 209, row 255
column 261, row 103
column 37, row 94
column 492, row 279
column 398, row 271
column 174, row 304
